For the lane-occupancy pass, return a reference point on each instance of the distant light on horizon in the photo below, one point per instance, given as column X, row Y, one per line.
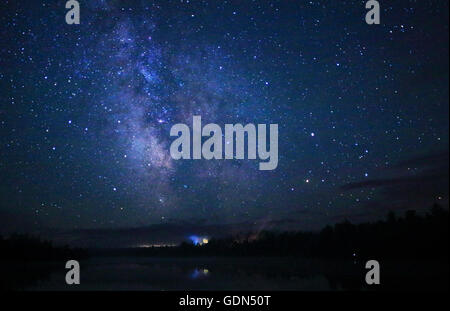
column 156, row 245
column 197, row 240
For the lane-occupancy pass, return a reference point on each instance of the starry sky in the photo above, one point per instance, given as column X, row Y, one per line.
column 86, row 111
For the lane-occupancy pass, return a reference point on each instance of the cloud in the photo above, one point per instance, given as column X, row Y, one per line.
column 408, row 180
column 415, row 183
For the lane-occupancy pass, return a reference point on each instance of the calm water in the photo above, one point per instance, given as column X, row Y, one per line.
column 130, row 273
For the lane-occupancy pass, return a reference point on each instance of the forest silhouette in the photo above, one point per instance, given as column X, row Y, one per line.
column 27, row 260
column 412, row 236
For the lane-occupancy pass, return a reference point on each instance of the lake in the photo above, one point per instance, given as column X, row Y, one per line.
column 211, row 273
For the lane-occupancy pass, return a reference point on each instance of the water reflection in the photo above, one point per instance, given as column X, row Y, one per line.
column 130, row 273
column 20, row 276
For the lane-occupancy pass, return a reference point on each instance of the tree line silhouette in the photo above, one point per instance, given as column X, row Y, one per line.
column 25, row 260
column 411, row 236
column 25, row 247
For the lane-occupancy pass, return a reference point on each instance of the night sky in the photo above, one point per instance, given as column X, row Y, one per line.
column 86, row 110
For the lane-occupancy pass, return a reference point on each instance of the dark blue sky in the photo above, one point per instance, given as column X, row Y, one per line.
column 86, row 110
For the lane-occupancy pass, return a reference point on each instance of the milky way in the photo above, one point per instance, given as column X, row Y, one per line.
column 86, row 109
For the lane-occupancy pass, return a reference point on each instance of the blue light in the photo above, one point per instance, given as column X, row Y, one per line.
column 195, row 239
